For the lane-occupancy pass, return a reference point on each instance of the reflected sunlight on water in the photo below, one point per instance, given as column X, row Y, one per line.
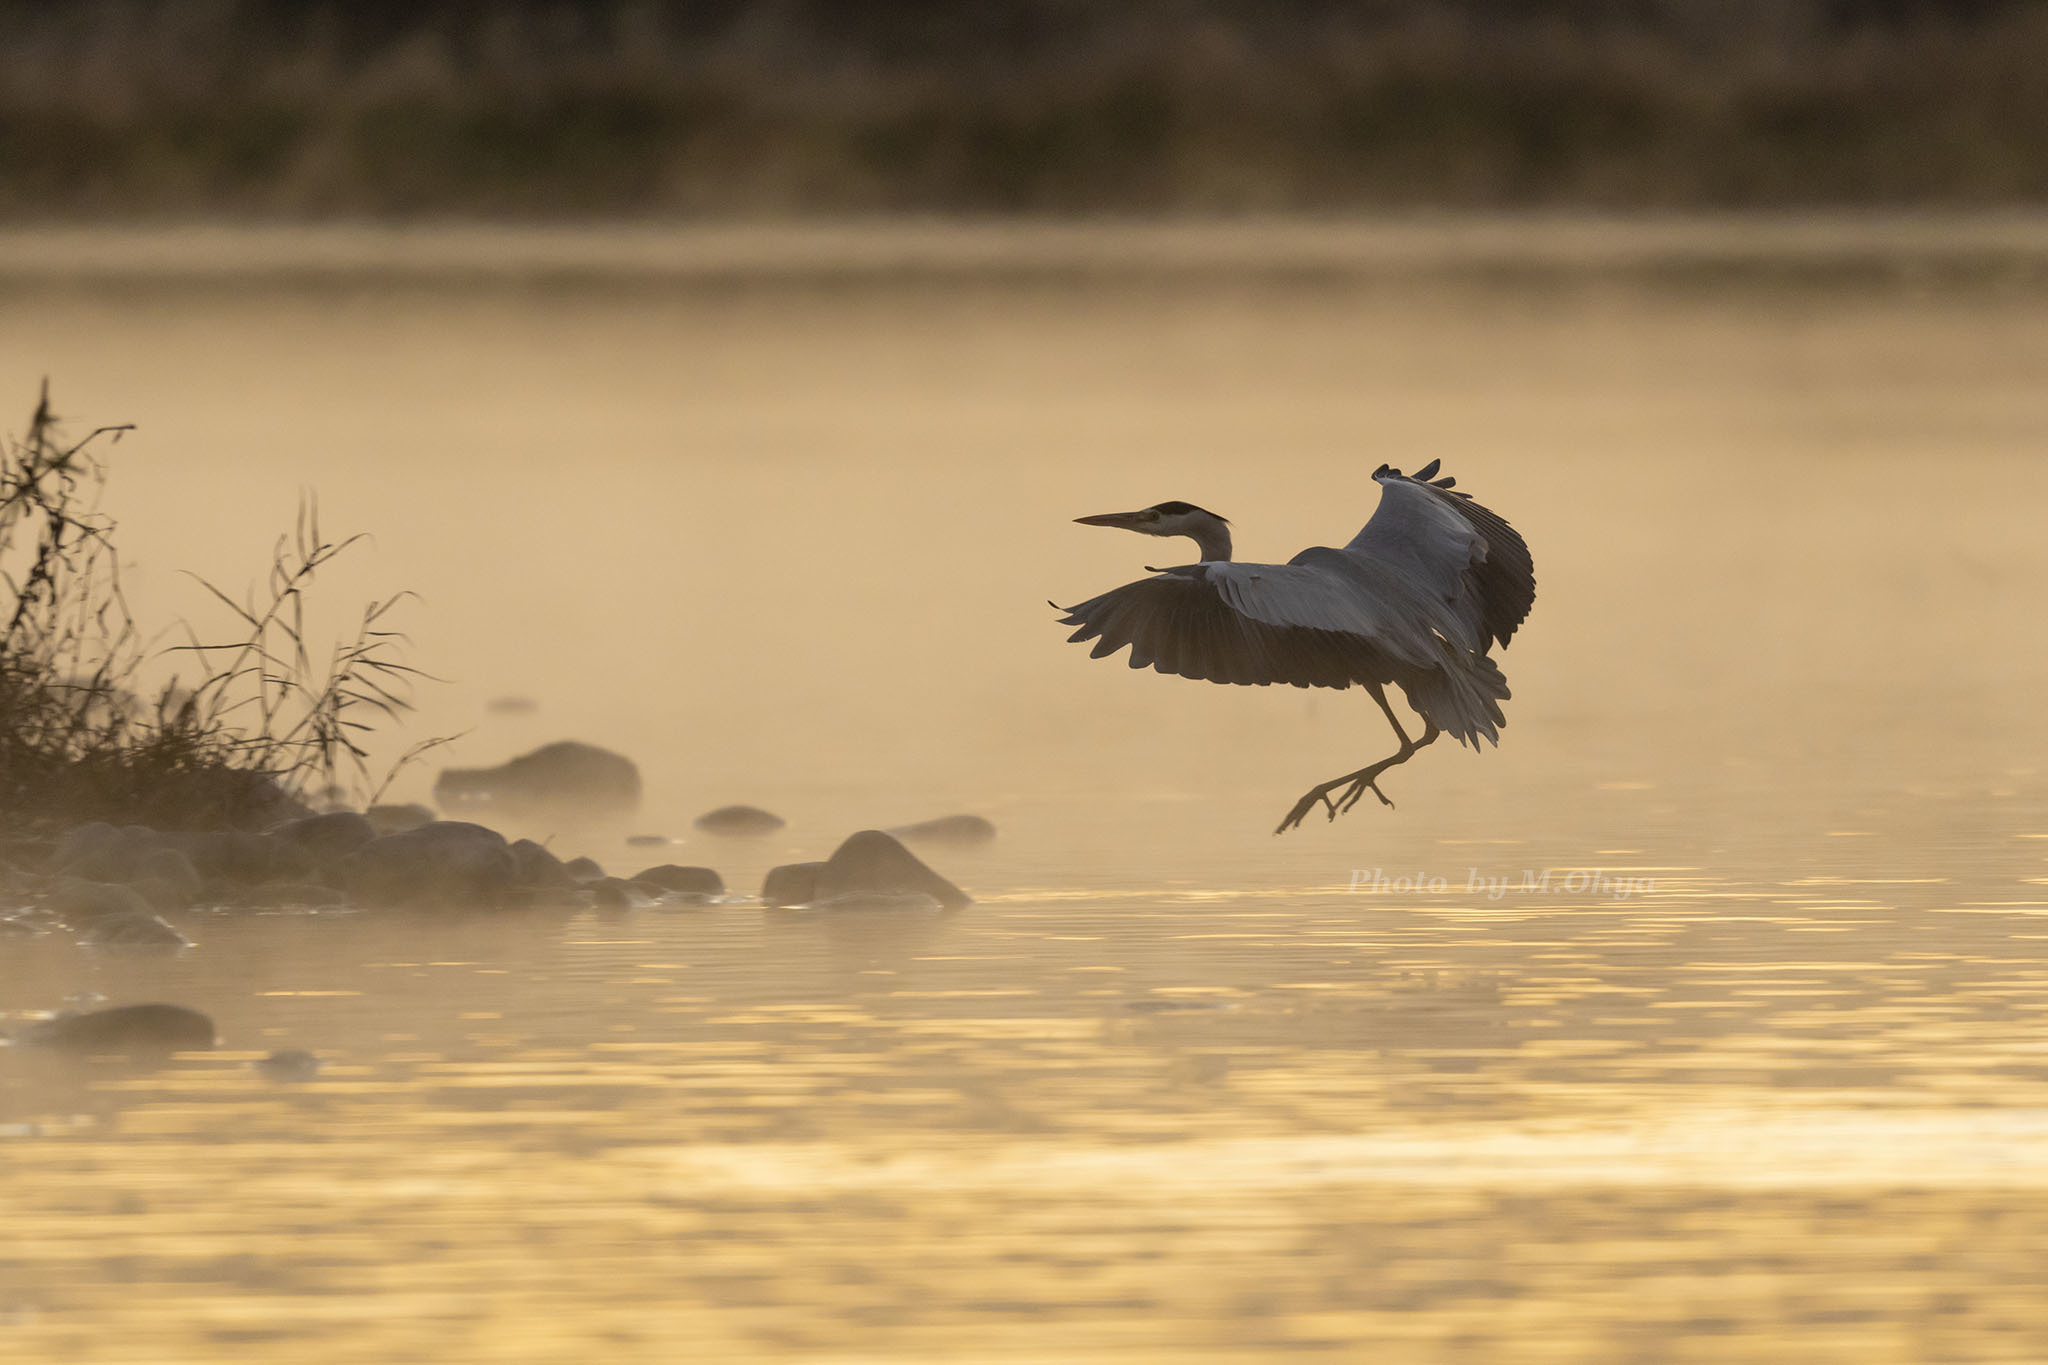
column 1703, row 1021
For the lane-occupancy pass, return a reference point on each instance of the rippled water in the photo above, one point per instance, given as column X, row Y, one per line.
column 1706, row 1020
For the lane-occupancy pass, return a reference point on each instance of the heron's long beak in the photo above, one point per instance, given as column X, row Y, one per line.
column 1123, row 521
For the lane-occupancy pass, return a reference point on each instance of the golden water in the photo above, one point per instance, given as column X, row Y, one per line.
column 1759, row 1073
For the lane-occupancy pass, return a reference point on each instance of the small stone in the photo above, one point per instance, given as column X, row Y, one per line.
column 646, row 840
column 81, row 903
column 790, row 884
column 124, row 1029
column 584, row 869
column 691, row 881
column 135, row 933
column 739, row 821
column 288, row 1067
column 616, row 893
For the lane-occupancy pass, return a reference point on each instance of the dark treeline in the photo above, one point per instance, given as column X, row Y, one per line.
column 189, row 107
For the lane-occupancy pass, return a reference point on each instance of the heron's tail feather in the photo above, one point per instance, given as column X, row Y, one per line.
column 1462, row 698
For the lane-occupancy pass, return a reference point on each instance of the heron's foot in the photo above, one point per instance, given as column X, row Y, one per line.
column 1354, row 787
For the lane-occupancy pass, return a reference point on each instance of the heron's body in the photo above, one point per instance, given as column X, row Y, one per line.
column 1418, row 598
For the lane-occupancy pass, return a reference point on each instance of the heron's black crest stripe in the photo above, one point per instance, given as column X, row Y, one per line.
column 1175, row 509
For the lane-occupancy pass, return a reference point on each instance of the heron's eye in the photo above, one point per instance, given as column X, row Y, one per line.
column 1151, row 514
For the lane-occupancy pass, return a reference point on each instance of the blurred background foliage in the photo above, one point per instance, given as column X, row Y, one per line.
column 139, row 108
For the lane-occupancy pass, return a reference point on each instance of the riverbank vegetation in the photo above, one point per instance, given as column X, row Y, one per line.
column 131, row 108
column 100, row 721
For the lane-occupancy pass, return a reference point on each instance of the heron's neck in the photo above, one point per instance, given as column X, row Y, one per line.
column 1213, row 537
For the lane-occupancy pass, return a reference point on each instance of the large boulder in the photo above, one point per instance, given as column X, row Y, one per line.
column 443, row 863
column 563, row 778
column 124, row 1029
column 874, row 869
column 745, row 822
column 957, row 831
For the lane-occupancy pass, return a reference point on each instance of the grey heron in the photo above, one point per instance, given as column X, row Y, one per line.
column 1417, row 598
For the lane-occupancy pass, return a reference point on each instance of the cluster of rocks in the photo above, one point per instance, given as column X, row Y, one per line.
column 112, row 885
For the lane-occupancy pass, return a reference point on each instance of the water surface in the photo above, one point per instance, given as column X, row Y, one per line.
column 1703, row 1020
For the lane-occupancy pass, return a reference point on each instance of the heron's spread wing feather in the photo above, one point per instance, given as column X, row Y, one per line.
column 1179, row 622
column 1445, row 548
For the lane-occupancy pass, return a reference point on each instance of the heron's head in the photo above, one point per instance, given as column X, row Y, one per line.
column 1209, row 531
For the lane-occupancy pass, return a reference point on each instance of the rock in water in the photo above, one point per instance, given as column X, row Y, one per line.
column 739, row 821
column 287, row 1067
column 81, row 904
column 875, row 868
column 790, row 884
column 135, row 934
column 398, row 819
column 567, row 777
column 240, row 859
column 959, row 831
column 690, row 881
column 125, row 1029
column 330, row 836
column 539, row 868
column 447, row 862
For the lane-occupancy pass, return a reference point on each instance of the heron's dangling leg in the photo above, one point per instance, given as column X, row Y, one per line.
column 1356, row 784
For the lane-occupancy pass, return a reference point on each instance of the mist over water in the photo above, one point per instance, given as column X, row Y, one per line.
column 1729, row 958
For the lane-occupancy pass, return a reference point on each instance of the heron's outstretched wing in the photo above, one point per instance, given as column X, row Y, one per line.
column 1193, row 621
column 1441, row 547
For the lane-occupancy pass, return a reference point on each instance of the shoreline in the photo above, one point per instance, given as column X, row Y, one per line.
column 2005, row 246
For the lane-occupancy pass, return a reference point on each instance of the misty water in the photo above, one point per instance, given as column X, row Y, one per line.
column 1704, row 1020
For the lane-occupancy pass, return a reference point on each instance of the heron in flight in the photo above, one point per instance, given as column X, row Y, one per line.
column 1417, row 598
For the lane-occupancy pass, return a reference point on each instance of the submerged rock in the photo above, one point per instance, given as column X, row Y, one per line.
column 168, row 878
column 124, row 1029
column 539, row 869
column 241, row 859
column 739, row 821
column 567, row 776
column 287, row 1067
column 81, row 904
column 330, row 836
column 874, row 868
column 302, row 895
column 446, row 862
column 790, row 884
column 690, row 881
column 134, row 934
column 398, row 819
column 959, row 831
column 616, row 893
